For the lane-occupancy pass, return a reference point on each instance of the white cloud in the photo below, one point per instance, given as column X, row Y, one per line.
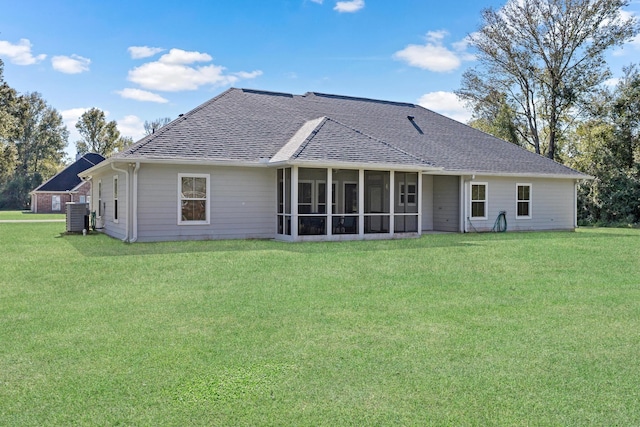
column 433, row 56
column 173, row 72
column 138, row 52
column 141, row 95
column 349, row 6
column 612, row 82
column 447, row 104
column 179, row 56
column 627, row 48
column 131, row 126
column 73, row 64
column 247, row 75
column 20, row 53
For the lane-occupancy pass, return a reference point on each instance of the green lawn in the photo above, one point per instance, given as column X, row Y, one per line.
column 464, row 330
column 27, row 215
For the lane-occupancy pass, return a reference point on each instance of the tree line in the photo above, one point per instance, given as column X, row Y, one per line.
column 542, row 82
column 33, row 138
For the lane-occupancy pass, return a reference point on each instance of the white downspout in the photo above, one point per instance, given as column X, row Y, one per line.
column 134, row 202
column 126, row 175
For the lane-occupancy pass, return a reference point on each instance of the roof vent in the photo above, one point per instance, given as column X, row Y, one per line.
column 410, row 118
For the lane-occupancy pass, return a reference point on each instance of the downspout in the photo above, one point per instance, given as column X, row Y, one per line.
column 126, row 174
column 134, row 203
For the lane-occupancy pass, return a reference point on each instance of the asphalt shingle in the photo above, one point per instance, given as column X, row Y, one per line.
column 244, row 125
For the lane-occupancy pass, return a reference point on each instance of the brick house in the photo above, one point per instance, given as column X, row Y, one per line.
column 52, row 195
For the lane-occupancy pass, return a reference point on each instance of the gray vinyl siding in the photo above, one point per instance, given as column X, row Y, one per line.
column 427, row 203
column 242, row 203
column 112, row 228
column 552, row 204
column 446, row 203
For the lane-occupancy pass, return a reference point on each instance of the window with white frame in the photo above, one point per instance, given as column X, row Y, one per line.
column 55, row 203
column 99, row 198
column 523, row 195
column 408, row 193
column 115, row 198
column 193, row 199
column 479, row 200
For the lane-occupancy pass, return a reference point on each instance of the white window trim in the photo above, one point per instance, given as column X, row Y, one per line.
column 99, row 211
column 208, row 200
column 115, row 200
column 486, row 200
column 57, row 204
column 404, row 193
column 530, row 201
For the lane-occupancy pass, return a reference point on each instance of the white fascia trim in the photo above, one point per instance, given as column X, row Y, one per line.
column 266, row 164
column 352, row 165
column 510, row 175
column 178, row 161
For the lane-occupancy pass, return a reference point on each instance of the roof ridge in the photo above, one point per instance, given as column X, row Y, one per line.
column 311, row 135
column 356, row 98
column 267, row 92
column 388, row 144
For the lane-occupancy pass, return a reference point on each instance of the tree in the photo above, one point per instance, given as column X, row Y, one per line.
column 151, row 127
column 8, row 153
column 607, row 145
column 40, row 136
column 544, row 57
column 98, row 135
column 32, row 148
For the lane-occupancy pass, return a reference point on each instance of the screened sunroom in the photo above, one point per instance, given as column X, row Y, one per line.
column 343, row 204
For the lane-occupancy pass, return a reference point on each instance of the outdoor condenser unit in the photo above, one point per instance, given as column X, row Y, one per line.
column 77, row 215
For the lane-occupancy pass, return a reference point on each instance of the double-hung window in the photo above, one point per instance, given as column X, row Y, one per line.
column 478, row 200
column 523, row 207
column 193, row 199
column 55, row 203
column 99, row 199
column 115, row 198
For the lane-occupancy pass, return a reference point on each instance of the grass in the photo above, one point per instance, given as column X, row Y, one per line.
column 27, row 215
column 476, row 329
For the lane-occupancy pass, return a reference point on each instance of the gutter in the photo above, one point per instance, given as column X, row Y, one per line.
column 134, row 202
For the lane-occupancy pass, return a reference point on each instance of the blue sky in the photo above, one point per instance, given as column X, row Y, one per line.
column 141, row 60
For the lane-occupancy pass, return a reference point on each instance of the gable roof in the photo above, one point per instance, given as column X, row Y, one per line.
column 68, row 179
column 249, row 126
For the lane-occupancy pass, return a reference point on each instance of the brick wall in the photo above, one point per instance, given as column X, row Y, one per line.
column 43, row 204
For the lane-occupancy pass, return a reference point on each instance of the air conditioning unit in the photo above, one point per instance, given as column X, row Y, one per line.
column 77, row 217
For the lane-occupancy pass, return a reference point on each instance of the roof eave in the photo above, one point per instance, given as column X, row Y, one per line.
column 575, row 176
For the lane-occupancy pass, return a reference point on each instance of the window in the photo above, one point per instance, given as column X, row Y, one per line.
column 193, row 199
column 55, row 203
column 523, row 207
column 478, row 200
column 407, row 194
column 99, row 198
column 115, row 198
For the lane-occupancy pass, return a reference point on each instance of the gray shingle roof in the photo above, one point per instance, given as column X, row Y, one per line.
column 244, row 125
